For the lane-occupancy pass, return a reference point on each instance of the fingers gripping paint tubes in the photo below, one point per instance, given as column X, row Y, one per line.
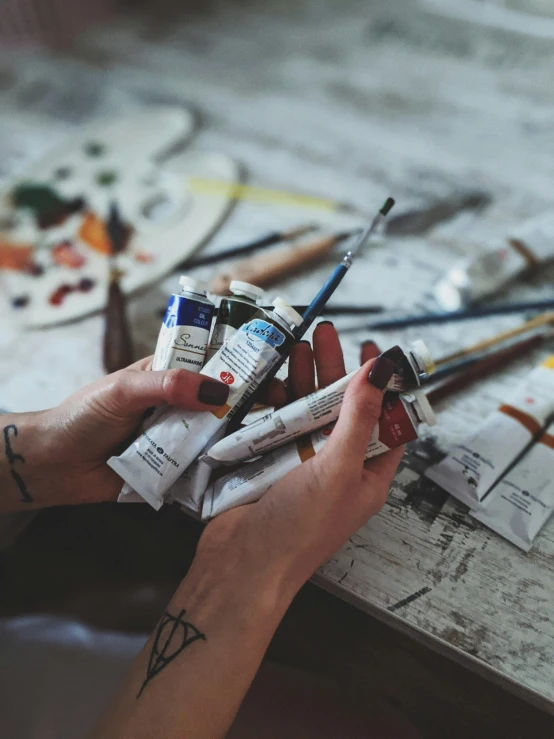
column 472, row 468
column 164, row 451
column 522, row 502
column 398, row 424
column 314, row 411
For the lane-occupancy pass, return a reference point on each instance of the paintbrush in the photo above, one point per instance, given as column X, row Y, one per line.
column 316, row 306
column 269, row 239
column 265, row 269
column 457, row 315
column 118, row 344
column 543, row 320
column 459, row 375
column 323, row 296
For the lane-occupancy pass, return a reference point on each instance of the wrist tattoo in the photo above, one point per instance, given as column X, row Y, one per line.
column 172, row 637
column 12, row 458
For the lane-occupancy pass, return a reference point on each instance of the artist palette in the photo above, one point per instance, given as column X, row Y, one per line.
column 55, row 252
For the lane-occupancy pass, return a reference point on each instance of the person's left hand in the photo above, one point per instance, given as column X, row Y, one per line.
column 65, row 449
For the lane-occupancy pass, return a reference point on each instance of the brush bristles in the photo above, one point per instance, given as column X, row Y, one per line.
column 389, row 202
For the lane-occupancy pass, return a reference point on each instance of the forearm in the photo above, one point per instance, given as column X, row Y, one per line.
column 193, row 673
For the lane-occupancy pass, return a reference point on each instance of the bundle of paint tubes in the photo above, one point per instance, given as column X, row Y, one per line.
column 504, row 470
column 185, row 456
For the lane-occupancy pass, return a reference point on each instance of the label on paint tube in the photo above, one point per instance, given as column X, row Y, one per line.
column 522, row 502
column 189, row 489
column 397, row 425
column 306, row 414
column 472, row 468
column 184, row 335
column 163, row 452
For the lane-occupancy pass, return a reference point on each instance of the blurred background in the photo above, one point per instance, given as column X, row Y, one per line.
column 323, row 109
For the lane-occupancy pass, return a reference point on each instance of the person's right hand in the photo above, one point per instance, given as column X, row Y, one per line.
column 308, row 515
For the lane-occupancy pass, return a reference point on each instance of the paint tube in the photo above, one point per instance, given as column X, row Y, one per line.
column 233, row 312
column 189, row 489
column 164, row 451
column 522, row 502
column 185, row 332
column 398, row 424
column 472, row 468
column 526, row 247
column 313, row 411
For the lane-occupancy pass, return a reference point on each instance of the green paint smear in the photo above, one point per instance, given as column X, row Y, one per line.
column 94, row 149
column 106, row 178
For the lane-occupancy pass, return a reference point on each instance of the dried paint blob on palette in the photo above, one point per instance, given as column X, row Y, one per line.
column 54, row 221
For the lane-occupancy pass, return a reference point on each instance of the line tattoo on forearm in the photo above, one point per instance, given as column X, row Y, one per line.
column 12, row 458
column 172, row 636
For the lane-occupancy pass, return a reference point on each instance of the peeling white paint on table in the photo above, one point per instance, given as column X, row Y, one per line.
column 357, row 101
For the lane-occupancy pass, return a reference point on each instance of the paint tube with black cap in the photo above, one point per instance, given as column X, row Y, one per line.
column 472, row 468
column 522, row 502
column 400, row 418
column 163, row 452
column 315, row 410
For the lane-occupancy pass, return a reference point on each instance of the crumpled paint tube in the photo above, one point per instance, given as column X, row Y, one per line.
column 314, row 411
column 522, row 502
column 398, row 424
column 472, row 468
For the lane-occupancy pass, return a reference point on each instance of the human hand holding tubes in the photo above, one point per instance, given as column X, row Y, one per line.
column 308, row 515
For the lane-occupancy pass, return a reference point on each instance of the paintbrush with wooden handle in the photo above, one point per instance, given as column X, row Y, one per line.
column 267, row 268
column 118, row 343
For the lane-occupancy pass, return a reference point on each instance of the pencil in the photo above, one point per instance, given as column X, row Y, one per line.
column 468, row 371
column 543, row 320
column 459, row 315
column 274, row 237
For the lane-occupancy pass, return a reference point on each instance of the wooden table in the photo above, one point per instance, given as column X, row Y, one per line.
column 357, row 101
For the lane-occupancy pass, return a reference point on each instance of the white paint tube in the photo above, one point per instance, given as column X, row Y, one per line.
column 398, row 424
column 189, row 489
column 185, row 332
column 522, row 502
column 164, row 451
column 313, row 411
column 472, row 468
column 526, row 247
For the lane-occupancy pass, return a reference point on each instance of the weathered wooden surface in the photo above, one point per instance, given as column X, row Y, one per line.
column 359, row 102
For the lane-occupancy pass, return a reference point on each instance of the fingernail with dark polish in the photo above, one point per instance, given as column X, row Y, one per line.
column 303, row 341
column 329, row 323
column 369, row 342
column 212, row 392
column 381, row 372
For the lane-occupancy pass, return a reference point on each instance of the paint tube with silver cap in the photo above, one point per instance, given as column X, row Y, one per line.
column 233, row 312
column 164, row 451
column 315, row 410
column 185, row 332
column 472, row 468
column 525, row 248
column 398, row 424
column 522, row 502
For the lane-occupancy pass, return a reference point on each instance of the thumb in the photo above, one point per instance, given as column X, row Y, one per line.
column 360, row 411
column 132, row 391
